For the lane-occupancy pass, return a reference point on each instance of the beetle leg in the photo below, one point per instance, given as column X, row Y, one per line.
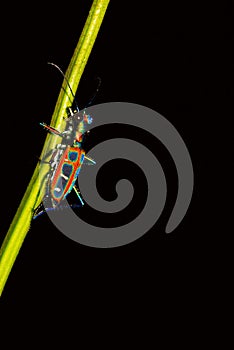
column 40, row 208
column 78, row 194
column 90, row 161
column 51, row 129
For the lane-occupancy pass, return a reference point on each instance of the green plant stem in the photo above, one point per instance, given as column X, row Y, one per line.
column 32, row 197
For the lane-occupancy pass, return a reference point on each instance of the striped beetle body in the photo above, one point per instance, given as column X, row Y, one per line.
column 65, row 162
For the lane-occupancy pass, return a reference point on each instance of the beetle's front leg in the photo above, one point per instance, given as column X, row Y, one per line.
column 51, row 129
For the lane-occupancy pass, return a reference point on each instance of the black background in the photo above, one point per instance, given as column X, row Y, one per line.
column 171, row 57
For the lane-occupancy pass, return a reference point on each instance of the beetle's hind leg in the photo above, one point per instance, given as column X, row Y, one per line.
column 78, row 194
column 41, row 207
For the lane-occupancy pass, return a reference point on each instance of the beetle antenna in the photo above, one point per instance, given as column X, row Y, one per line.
column 69, row 86
column 95, row 93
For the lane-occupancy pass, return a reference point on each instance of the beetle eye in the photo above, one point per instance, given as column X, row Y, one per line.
column 89, row 119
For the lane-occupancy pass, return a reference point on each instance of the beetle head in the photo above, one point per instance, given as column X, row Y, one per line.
column 87, row 119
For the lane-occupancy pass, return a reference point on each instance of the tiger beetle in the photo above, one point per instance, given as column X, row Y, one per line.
column 66, row 159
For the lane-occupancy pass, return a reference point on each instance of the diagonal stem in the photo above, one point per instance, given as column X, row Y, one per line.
column 32, row 197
